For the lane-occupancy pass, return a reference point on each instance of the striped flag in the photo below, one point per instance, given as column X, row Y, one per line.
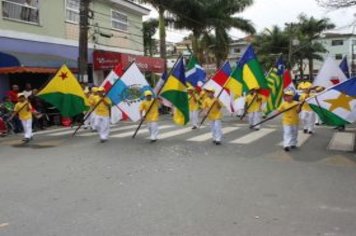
column 275, row 84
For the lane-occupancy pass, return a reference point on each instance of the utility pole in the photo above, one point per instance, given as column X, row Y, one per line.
column 83, row 40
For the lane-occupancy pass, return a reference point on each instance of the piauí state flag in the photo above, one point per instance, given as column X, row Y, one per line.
column 218, row 81
column 127, row 92
column 249, row 71
column 195, row 74
column 337, row 105
column 65, row 93
column 175, row 91
column 275, row 84
column 344, row 66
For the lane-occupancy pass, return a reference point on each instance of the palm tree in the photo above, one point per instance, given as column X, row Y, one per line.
column 270, row 44
column 221, row 18
column 309, row 31
column 204, row 16
column 161, row 6
column 149, row 29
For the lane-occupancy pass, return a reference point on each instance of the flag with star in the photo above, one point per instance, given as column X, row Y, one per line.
column 337, row 105
column 65, row 93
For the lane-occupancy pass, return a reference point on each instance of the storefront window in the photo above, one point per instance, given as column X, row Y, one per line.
column 119, row 20
column 72, row 11
column 21, row 10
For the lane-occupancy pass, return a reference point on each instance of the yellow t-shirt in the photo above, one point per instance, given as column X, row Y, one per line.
column 256, row 105
column 289, row 117
column 305, row 106
column 153, row 115
column 193, row 102
column 215, row 113
column 102, row 109
column 25, row 113
column 91, row 100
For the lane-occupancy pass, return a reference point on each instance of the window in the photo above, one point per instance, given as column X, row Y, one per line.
column 338, row 56
column 337, row 42
column 72, row 11
column 237, row 50
column 118, row 20
column 21, row 10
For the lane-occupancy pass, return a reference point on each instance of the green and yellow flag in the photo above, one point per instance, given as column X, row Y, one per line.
column 275, row 84
column 65, row 93
column 175, row 91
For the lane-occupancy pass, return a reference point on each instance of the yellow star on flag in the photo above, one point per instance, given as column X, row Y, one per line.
column 343, row 101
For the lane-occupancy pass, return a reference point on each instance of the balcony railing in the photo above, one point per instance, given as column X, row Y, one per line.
column 20, row 12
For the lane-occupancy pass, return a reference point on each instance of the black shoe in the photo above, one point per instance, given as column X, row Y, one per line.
column 293, row 147
column 286, row 149
column 103, row 140
column 317, row 124
column 194, row 127
column 26, row 140
column 310, row 132
column 251, row 127
column 214, row 142
column 305, row 131
column 153, row 140
column 257, row 129
column 217, row 142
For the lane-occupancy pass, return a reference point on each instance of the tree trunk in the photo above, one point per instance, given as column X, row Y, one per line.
column 301, row 71
column 162, row 35
column 195, row 45
column 311, row 69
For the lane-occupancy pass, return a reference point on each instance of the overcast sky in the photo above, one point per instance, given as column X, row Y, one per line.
column 266, row 13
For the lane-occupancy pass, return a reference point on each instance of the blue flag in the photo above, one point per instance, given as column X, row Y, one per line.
column 345, row 67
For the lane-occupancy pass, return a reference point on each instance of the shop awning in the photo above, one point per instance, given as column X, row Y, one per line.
column 21, row 69
column 35, row 63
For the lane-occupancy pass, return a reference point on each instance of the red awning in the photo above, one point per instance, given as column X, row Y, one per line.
column 23, row 69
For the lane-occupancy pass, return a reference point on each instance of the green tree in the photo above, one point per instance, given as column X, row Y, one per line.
column 309, row 30
column 149, row 29
column 269, row 44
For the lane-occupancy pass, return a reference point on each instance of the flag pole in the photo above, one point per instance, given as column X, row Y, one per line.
column 87, row 115
column 154, row 99
column 217, row 97
column 248, row 106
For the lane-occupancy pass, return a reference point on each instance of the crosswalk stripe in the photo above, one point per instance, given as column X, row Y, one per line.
column 175, row 133
column 207, row 136
column 53, row 130
column 302, row 138
column 342, row 141
column 111, row 130
column 142, row 131
column 251, row 137
column 64, row 132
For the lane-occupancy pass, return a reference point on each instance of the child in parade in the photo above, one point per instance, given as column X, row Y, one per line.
column 23, row 109
column 307, row 115
column 253, row 105
column 212, row 108
column 151, row 114
column 193, row 99
column 290, row 109
column 102, row 114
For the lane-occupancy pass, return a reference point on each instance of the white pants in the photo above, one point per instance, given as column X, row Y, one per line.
column 254, row 118
column 27, row 128
column 194, row 117
column 91, row 119
column 308, row 119
column 290, row 135
column 102, row 125
column 153, row 130
column 216, row 130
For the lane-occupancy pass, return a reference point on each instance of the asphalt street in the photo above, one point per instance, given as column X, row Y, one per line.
column 58, row 185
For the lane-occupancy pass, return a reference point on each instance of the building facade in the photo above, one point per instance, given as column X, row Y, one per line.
column 38, row 36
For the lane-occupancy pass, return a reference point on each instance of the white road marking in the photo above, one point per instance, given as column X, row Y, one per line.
column 142, row 131
column 253, row 136
column 207, row 136
column 342, row 141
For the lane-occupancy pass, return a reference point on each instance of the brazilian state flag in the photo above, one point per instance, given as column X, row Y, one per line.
column 175, row 91
column 248, row 75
